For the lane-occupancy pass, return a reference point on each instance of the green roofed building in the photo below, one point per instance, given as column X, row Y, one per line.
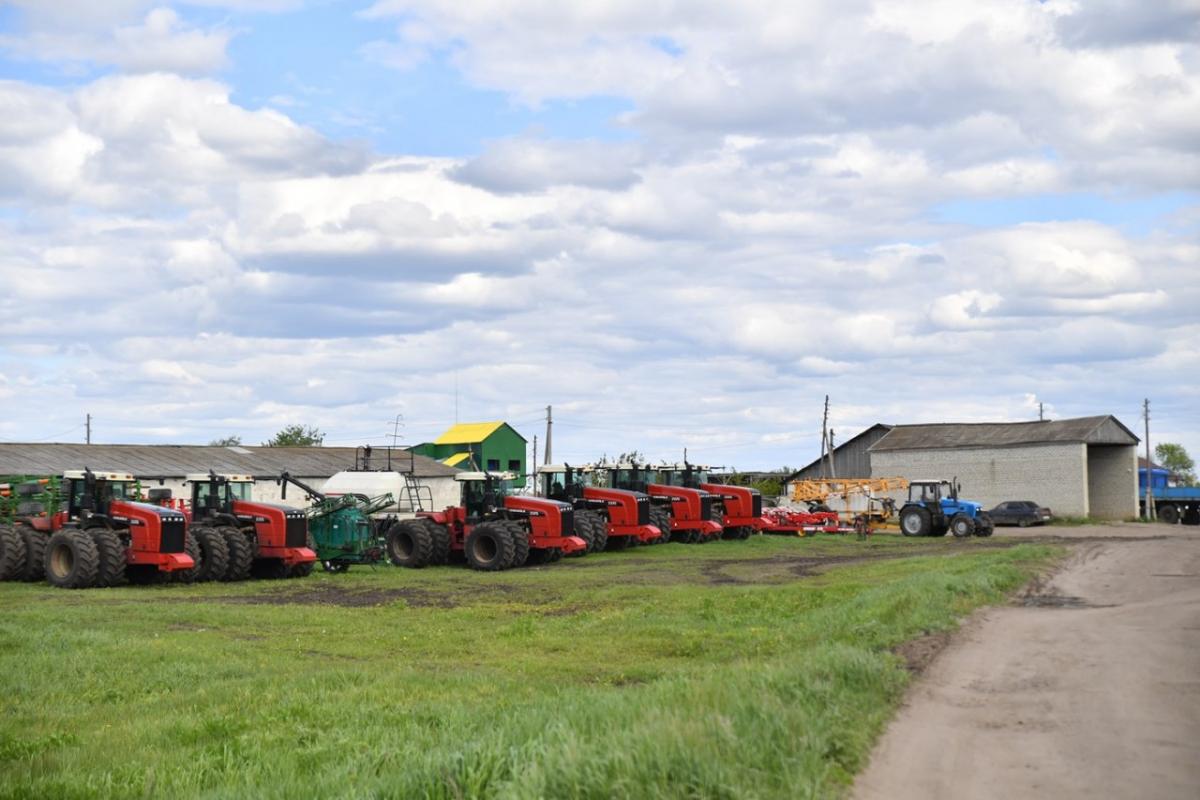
column 491, row 446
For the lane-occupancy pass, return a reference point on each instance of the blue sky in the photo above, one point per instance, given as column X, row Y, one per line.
column 680, row 224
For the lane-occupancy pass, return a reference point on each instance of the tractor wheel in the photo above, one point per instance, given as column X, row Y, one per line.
column 271, row 569
column 440, row 536
column 12, row 554
column 585, row 530
column 538, row 556
column 35, row 553
column 192, row 548
column 915, row 521
column 112, row 556
column 72, row 560
column 520, row 537
column 556, row 554
column 661, row 519
column 1169, row 514
column 489, row 547
column 409, row 544
column 241, row 553
column 214, row 554
column 301, row 570
column 600, row 539
column 962, row 526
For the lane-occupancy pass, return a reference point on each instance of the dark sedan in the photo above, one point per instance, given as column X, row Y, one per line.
column 1020, row 512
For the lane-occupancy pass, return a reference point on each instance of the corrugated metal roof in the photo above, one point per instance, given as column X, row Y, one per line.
column 468, row 433
column 942, row 436
column 179, row 460
column 878, row 429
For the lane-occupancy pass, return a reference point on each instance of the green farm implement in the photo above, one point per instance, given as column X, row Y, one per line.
column 340, row 526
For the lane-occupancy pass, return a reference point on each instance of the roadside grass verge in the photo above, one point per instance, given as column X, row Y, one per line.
column 729, row 670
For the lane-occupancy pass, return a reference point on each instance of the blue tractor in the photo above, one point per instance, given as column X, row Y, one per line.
column 933, row 508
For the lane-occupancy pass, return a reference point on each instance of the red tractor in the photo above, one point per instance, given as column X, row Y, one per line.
column 97, row 533
column 612, row 518
column 492, row 529
column 263, row 540
column 691, row 510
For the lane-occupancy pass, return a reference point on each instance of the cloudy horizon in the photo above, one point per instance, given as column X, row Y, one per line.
column 681, row 224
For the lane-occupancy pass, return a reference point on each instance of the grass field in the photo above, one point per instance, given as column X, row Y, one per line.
column 762, row 668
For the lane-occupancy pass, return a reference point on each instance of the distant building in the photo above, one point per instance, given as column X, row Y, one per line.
column 1085, row 467
column 851, row 458
column 164, row 465
column 491, row 446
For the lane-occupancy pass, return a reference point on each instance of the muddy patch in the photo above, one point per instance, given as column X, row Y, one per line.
column 919, row 653
column 333, row 595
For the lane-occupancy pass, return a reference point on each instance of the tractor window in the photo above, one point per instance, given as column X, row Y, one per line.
column 241, row 491
column 125, row 491
column 473, row 496
column 203, row 492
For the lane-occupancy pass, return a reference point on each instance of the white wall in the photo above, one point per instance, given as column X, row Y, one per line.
column 1112, row 481
column 1053, row 475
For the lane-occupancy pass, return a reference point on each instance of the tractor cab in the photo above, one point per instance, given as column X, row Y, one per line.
column 483, row 493
column 685, row 474
column 630, row 477
column 214, row 493
column 932, row 492
column 564, row 482
column 92, row 492
column 690, row 509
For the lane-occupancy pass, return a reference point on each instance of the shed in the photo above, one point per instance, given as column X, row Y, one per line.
column 1085, row 467
column 851, row 458
column 166, row 465
column 491, row 446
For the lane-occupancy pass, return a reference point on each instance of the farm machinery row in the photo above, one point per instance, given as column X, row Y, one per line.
column 93, row 529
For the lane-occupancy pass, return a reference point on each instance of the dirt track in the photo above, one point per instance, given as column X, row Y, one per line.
column 1088, row 687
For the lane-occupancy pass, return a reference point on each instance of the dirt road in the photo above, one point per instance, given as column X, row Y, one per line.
column 1089, row 688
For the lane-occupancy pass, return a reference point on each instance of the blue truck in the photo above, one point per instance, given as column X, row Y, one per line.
column 1172, row 504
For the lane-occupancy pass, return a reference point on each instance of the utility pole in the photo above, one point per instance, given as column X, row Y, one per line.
column 533, row 471
column 396, row 429
column 549, row 425
column 832, row 466
column 1041, row 412
column 824, row 434
column 1149, row 464
column 88, row 424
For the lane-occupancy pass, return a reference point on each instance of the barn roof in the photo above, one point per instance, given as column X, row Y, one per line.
column 472, row 432
column 169, row 460
column 878, row 427
column 945, row 436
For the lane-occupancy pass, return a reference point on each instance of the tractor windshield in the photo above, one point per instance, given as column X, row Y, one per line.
column 240, row 491
column 125, row 490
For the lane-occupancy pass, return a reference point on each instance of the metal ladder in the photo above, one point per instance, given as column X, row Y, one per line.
column 416, row 497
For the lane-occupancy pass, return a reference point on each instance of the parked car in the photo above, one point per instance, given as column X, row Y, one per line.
column 1020, row 512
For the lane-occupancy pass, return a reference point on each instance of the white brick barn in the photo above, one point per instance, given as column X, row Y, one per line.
column 1085, row 467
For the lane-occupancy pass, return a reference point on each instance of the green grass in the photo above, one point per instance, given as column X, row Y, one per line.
column 724, row 670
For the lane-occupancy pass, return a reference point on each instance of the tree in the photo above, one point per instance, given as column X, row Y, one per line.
column 296, row 436
column 226, row 441
column 1176, row 459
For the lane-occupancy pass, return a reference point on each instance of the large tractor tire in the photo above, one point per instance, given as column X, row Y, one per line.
column 241, row 553
column 1168, row 514
column 270, row 569
column 915, row 521
column 617, row 543
column 585, row 530
column 440, row 536
column 301, row 570
column 600, row 534
column 490, row 547
column 111, row 568
column 962, row 526
column 191, row 548
column 214, row 554
column 520, row 537
column 409, row 544
column 72, row 560
column 12, row 554
column 34, row 568
column 984, row 525
column 661, row 519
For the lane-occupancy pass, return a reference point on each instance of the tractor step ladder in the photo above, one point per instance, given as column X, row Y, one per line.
column 416, row 497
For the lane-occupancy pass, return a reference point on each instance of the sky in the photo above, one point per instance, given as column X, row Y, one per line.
column 680, row 224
